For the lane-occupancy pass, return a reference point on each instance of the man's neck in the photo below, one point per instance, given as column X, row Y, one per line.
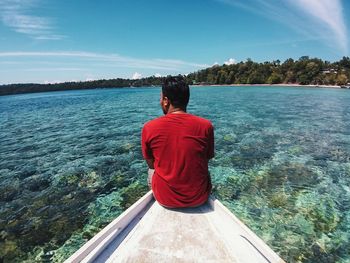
column 176, row 110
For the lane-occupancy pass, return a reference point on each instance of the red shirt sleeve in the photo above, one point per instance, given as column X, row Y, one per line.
column 146, row 150
column 210, row 149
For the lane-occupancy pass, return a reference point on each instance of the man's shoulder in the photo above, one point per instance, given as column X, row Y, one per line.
column 165, row 119
column 203, row 121
column 154, row 122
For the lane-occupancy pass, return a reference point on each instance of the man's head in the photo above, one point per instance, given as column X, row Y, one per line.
column 175, row 94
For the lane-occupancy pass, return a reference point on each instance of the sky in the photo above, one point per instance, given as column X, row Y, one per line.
column 51, row 41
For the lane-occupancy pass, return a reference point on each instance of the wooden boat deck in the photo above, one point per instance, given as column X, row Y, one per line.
column 152, row 233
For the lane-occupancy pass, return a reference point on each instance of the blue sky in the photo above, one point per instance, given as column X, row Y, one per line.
column 48, row 41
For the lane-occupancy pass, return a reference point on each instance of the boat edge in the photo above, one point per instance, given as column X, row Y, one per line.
column 108, row 233
column 251, row 237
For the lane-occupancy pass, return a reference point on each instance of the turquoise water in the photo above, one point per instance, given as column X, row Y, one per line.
column 71, row 162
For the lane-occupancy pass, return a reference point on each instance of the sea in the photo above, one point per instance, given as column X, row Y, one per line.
column 70, row 162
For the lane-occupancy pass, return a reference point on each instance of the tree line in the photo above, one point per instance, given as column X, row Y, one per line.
column 95, row 84
column 303, row 71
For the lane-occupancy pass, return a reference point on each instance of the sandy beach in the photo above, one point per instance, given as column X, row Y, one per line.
column 272, row 85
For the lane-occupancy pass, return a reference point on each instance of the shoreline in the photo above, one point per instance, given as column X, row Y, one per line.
column 270, row 85
column 8, row 93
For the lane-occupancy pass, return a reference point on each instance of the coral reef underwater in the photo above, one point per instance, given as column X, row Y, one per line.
column 71, row 162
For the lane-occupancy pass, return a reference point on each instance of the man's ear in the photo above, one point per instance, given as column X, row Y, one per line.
column 166, row 101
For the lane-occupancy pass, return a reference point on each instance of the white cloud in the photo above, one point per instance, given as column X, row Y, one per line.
column 113, row 60
column 215, row 64
column 319, row 19
column 15, row 14
column 81, row 65
column 52, row 81
column 50, row 37
column 327, row 13
column 157, row 75
column 136, row 75
column 54, row 69
column 231, row 61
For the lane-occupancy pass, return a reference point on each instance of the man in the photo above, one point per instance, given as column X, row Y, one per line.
column 178, row 147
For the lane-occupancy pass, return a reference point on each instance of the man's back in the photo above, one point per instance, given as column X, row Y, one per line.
column 181, row 145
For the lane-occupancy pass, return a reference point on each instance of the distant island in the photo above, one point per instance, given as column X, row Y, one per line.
column 95, row 84
column 304, row 71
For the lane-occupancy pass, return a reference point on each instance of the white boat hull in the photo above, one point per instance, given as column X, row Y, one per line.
column 148, row 232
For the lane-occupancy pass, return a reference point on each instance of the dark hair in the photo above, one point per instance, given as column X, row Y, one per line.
column 177, row 91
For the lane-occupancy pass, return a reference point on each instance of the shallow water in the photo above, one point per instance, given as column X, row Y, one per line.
column 71, row 162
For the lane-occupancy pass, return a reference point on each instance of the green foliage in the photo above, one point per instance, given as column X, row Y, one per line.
column 103, row 83
column 303, row 71
column 274, row 78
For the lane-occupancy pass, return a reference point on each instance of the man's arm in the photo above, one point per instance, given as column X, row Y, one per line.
column 211, row 148
column 146, row 150
column 150, row 163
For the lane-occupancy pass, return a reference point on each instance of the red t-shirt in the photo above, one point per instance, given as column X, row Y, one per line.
column 181, row 145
